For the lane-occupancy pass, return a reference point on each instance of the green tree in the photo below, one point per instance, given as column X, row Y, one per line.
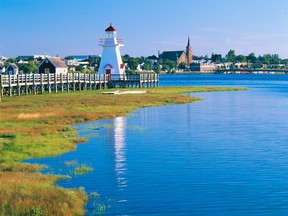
column 69, row 58
column 231, row 56
column 168, row 65
column 182, row 66
column 29, row 67
column 216, row 57
column 240, row 58
column 79, row 68
column 251, row 58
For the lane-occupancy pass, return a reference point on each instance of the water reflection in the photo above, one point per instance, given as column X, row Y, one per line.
column 120, row 151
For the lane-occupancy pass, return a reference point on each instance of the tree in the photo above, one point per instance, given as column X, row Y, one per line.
column 216, row 58
column 251, row 58
column 240, row 58
column 79, row 68
column 29, row 67
column 146, row 66
column 231, row 56
column 168, row 65
column 182, row 66
column 69, row 58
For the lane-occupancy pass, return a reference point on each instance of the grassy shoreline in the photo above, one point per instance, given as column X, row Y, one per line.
column 38, row 126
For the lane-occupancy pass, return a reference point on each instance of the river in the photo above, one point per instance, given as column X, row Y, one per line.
column 224, row 155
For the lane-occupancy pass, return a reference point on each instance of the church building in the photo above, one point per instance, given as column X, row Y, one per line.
column 179, row 56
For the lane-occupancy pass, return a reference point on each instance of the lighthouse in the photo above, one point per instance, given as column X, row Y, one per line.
column 111, row 61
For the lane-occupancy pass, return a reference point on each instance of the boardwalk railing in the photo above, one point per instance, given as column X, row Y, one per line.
column 40, row 83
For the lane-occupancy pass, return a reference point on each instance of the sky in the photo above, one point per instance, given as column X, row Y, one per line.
column 73, row 27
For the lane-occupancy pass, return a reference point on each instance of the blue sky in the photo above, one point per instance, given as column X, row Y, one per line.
column 70, row 27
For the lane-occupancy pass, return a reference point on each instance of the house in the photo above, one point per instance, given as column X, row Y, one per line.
column 52, row 65
column 152, row 58
column 12, row 69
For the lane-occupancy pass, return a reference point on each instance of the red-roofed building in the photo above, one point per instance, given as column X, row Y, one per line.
column 111, row 61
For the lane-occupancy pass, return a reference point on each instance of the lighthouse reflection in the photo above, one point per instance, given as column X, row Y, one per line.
column 120, row 151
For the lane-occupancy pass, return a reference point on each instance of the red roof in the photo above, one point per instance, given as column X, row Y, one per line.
column 110, row 28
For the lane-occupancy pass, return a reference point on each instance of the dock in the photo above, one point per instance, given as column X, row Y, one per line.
column 27, row 84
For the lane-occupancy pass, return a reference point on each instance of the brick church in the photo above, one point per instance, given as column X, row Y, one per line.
column 179, row 56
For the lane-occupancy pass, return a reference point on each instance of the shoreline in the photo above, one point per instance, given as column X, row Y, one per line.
column 43, row 134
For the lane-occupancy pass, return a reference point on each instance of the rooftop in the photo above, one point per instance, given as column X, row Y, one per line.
column 111, row 28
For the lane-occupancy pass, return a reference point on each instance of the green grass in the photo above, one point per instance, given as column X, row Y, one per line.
column 83, row 169
column 40, row 126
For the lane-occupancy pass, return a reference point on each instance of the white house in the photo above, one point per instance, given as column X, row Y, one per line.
column 111, row 61
column 53, row 65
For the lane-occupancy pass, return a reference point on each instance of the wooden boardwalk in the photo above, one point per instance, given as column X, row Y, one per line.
column 24, row 84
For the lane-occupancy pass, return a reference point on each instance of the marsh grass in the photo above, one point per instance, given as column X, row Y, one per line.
column 71, row 163
column 21, row 193
column 38, row 126
column 83, row 169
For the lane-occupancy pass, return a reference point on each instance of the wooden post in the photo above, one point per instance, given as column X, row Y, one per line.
column 34, row 85
column 90, row 82
column 94, row 82
column 99, row 80
column 61, row 81
column 55, row 83
column 67, row 81
column 49, row 83
column 73, row 81
column 10, row 87
column 41, row 83
column 79, row 82
column 85, row 85
column 26, row 85
column 18, row 85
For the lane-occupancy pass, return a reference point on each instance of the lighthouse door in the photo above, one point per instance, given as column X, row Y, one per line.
column 108, row 71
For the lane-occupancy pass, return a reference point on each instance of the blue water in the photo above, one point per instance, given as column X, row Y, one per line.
column 224, row 155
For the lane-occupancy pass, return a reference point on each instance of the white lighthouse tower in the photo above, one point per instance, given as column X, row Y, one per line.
column 111, row 61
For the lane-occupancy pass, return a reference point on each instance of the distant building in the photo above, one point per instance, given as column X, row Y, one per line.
column 52, row 65
column 31, row 57
column 82, row 57
column 179, row 56
column 202, row 66
column 176, row 56
column 152, row 58
column 12, row 69
column 3, row 58
column 22, row 62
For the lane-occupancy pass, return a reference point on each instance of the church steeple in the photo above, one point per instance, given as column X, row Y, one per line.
column 189, row 55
